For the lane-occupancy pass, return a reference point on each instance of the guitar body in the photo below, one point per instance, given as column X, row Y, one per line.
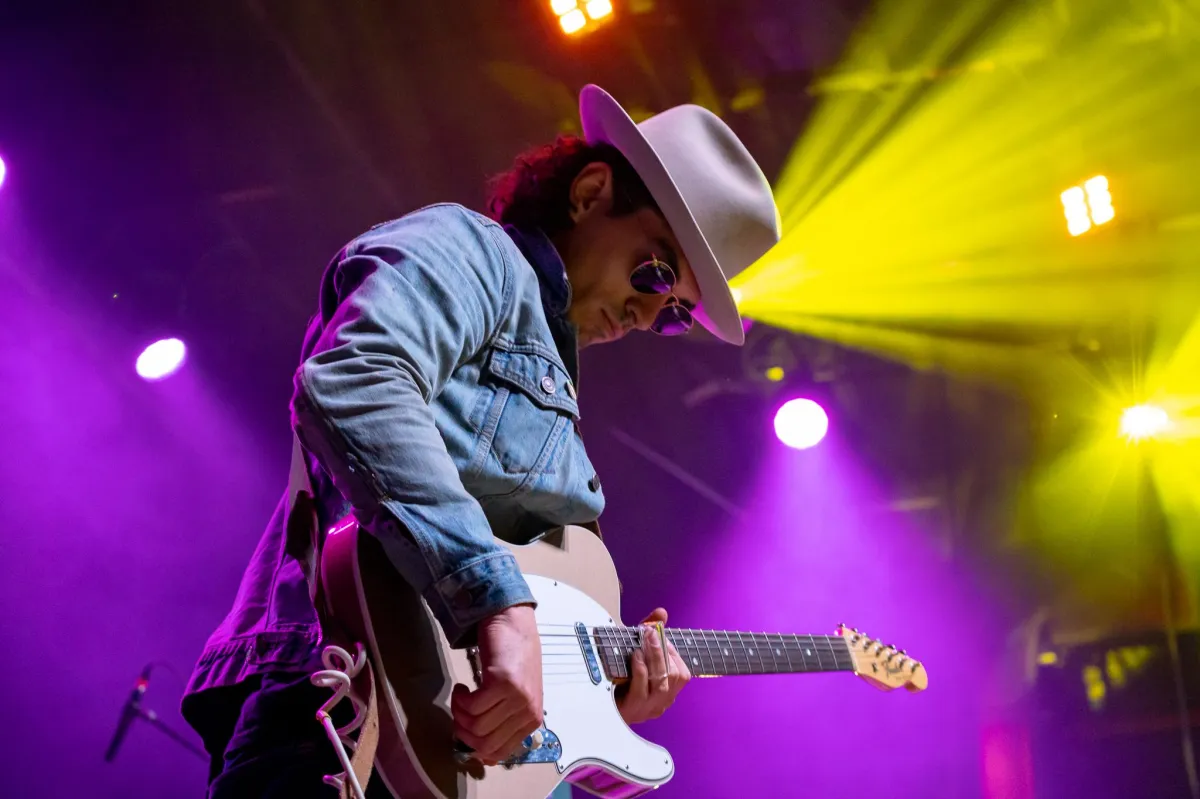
column 583, row 739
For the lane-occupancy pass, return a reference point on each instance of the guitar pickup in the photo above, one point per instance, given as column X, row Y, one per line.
column 589, row 653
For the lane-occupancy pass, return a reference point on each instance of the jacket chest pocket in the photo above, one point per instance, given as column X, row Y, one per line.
column 530, row 417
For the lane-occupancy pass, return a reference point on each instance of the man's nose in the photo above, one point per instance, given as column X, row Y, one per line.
column 645, row 308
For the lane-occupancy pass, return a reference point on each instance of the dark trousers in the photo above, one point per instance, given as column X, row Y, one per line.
column 266, row 743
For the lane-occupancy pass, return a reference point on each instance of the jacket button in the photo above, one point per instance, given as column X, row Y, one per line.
column 570, row 390
column 548, row 384
column 594, row 483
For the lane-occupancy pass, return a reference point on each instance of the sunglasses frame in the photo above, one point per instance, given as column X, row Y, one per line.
column 673, row 319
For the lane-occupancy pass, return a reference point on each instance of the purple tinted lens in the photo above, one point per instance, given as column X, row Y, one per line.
column 673, row 320
column 652, row 277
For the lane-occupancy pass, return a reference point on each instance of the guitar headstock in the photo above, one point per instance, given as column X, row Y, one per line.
column 881, row 665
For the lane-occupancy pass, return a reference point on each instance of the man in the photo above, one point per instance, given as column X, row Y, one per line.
column 436, row 400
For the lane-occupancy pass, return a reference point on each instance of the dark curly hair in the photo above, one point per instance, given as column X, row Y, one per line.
column 536, row 191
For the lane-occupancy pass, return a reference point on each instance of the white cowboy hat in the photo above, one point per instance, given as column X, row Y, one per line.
column 707, row 185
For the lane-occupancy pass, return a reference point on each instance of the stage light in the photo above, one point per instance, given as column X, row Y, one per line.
column 1075, row 208
column 161, row 359
column 572, row 17
column 801, row 423
column 2, row 171
column 775, row 374
column 1087, row 205
column 1099, row 200
column 599, row 9
column 1144, row 421
column 573, row 21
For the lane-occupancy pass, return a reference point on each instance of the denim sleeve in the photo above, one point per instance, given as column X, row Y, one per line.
column 415, row 299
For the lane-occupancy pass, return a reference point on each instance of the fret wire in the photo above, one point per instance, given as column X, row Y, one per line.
column 818, row 651
column 606, row 656
column 626, row 650
column 783, row 648
column 700, row 668
column 829, row 654
column 712, row 662
column 763, row 668
column 717, row 652
column 771, row 649
column 802, row 652
column 697, row 667
column 622, row 647
column 692, row 658
column 756, row 658
column 832, row 654
column 711, row 668
column 618, row 650
column 681, row 646
column 746, row 650
column 728, row 650
column 707, row 664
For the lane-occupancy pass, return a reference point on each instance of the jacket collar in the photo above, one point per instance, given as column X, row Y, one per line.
column 543, row 256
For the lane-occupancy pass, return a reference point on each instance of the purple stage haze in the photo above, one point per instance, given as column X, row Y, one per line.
column 822, row 545
column 128, row 509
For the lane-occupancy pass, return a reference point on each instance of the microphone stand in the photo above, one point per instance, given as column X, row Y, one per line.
column 134, row 707
column 150, row 716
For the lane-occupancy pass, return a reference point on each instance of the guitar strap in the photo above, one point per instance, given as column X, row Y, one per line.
column 304, row 541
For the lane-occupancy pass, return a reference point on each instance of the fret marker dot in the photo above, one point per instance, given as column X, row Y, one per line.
column 808, row 652
column 687, row 641
column 777, row 652
column 695, row 661
column 751, row 651
column 726, row 651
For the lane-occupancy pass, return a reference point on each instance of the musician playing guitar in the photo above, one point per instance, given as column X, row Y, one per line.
column 436, row 401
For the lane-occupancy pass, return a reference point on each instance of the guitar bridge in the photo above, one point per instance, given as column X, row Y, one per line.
column 542, row 746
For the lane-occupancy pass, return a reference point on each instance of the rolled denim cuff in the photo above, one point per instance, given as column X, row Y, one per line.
column 482, row 588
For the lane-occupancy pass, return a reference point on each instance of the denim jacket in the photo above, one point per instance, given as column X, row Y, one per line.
column 436, row 401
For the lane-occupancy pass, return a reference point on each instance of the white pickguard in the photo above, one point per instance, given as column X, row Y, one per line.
column 581, row 713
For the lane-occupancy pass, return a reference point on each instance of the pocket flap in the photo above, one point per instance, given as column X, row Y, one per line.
column 539, row 377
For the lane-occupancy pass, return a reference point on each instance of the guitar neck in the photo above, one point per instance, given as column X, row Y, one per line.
column 721, row 653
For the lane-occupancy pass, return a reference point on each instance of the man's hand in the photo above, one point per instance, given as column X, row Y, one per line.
column 656, row 675
column 507, row 707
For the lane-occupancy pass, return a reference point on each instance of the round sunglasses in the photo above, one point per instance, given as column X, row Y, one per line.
column 658, row 278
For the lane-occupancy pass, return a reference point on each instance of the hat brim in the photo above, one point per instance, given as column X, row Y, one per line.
column 605, row 121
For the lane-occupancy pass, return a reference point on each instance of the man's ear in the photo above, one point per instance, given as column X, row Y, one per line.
column 591, row 190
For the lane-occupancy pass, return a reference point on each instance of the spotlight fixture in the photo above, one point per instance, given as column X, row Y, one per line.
column 161, row 359
column 581, row 16
column 1087, row 205
column 1144, row 421
column 801, row 423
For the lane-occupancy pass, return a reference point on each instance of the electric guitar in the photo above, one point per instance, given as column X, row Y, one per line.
column 585, row 653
